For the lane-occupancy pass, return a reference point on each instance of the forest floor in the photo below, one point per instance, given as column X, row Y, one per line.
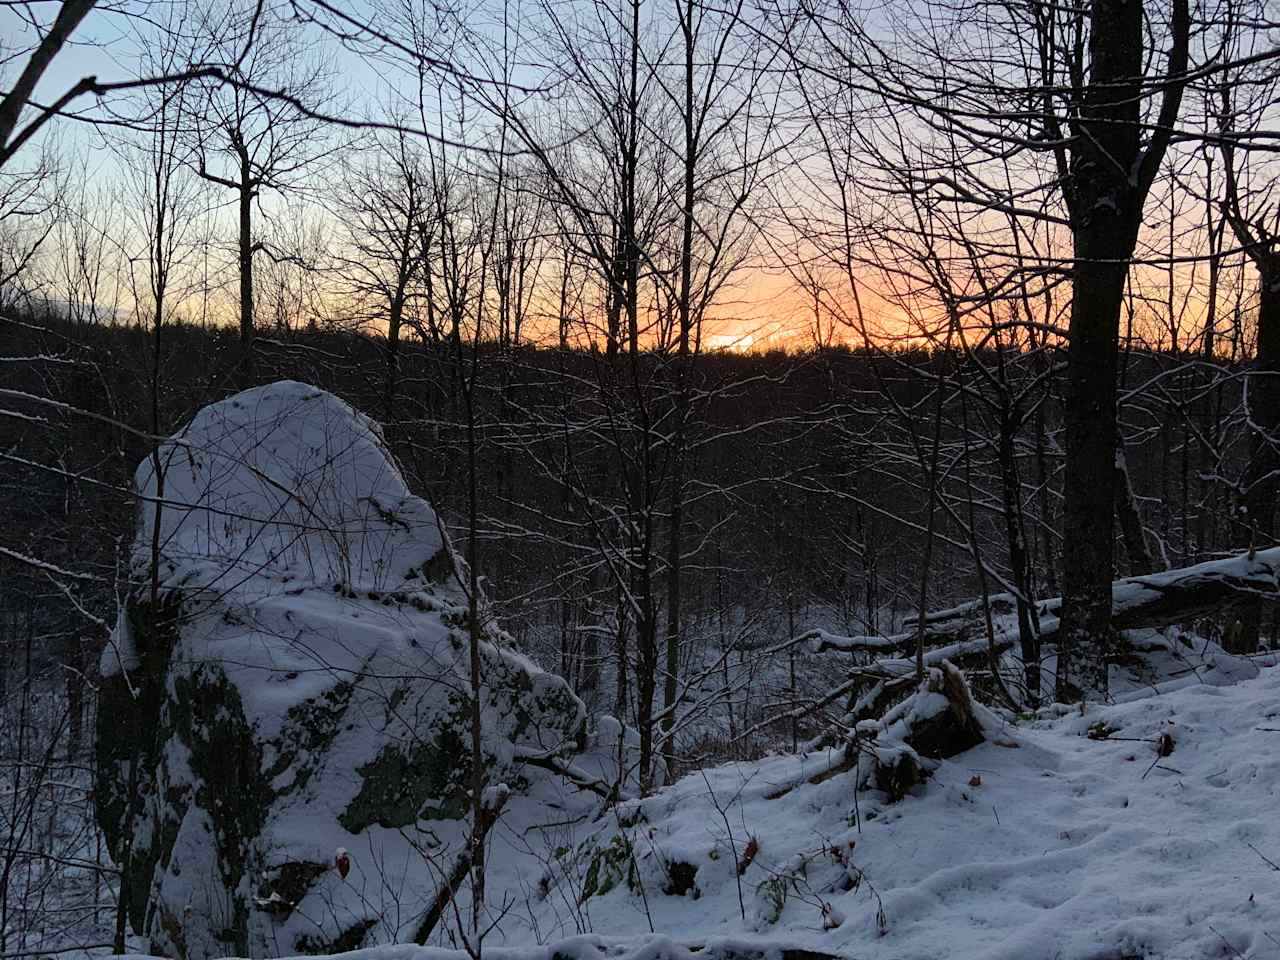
column 1066, row 836
column 1045, row 842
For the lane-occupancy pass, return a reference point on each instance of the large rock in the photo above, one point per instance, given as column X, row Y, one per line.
column 295, row 681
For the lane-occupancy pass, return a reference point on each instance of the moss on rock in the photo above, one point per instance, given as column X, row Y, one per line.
column 206, row 714
column 425, row 780
column 129, row 739
column 308, row 731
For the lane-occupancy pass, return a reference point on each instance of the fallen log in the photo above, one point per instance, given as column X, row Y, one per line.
column 936, row 722
column 1150, row 601
column 950, row 631
column 959, row 634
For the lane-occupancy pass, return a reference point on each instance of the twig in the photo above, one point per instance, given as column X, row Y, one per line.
column 733, row 846
column 635, row 865
column 1230, row 945
column 1268, row 861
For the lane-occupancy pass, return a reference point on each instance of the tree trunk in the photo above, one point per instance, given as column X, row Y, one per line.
column 1135, row 544
column 1264, row 412
column 392, row 376
column 479, row 826
column 670, row 681
column 1048, row 549
column 680, row 397
column 1019, row 561
column 621, row 657
column 646, row 671
column 246, row 268
column 1107, row 187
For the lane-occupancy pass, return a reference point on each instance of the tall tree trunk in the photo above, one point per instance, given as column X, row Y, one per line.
column 246, row 268
column 670, row 686
column 1044, row 496
column 1090, row 416
column 1110, row 177
column 391, row 384
column 1261, row 484
column 478, row 807
column 681, row 397
column 1264, row 390
column 622, row 654
column 1019, row 560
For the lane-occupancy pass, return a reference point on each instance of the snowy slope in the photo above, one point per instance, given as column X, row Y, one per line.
column 310, row 576
column 1068, row 847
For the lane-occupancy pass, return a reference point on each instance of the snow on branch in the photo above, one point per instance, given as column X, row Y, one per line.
column 45, row 566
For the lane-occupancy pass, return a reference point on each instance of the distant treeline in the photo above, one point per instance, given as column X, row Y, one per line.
column 805, row 480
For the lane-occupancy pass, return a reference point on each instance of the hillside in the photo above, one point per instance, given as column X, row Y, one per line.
column 1044, row 843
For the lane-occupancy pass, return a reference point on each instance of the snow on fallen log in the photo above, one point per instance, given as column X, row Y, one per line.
column 1150, row 601
column 956, row 652
column 823, row 641
column 940, row 720
column 959, row 634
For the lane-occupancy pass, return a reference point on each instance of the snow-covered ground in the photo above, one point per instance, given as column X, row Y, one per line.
column 1044, row 843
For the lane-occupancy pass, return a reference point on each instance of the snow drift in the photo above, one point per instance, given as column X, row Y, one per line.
column 289, row 679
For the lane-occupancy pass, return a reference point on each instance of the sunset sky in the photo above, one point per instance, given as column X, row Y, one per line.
column 762, row 306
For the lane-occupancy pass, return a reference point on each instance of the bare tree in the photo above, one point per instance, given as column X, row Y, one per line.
column 387, row 213
column 1252, row 210
column 86, row 250
column 29, row 216
column 727, row 142
column 259, row 133
column 1085, row 123
column 53, row 36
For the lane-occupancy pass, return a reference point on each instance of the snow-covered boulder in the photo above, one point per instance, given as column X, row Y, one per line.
column 288, row 679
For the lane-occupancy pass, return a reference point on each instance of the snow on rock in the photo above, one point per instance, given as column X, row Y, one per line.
column 283, row 483
column 295, row 684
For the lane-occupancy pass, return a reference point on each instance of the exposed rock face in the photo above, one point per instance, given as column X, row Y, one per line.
column 296, row 684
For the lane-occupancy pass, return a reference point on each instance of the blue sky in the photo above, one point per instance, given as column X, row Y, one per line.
column 107, row 45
